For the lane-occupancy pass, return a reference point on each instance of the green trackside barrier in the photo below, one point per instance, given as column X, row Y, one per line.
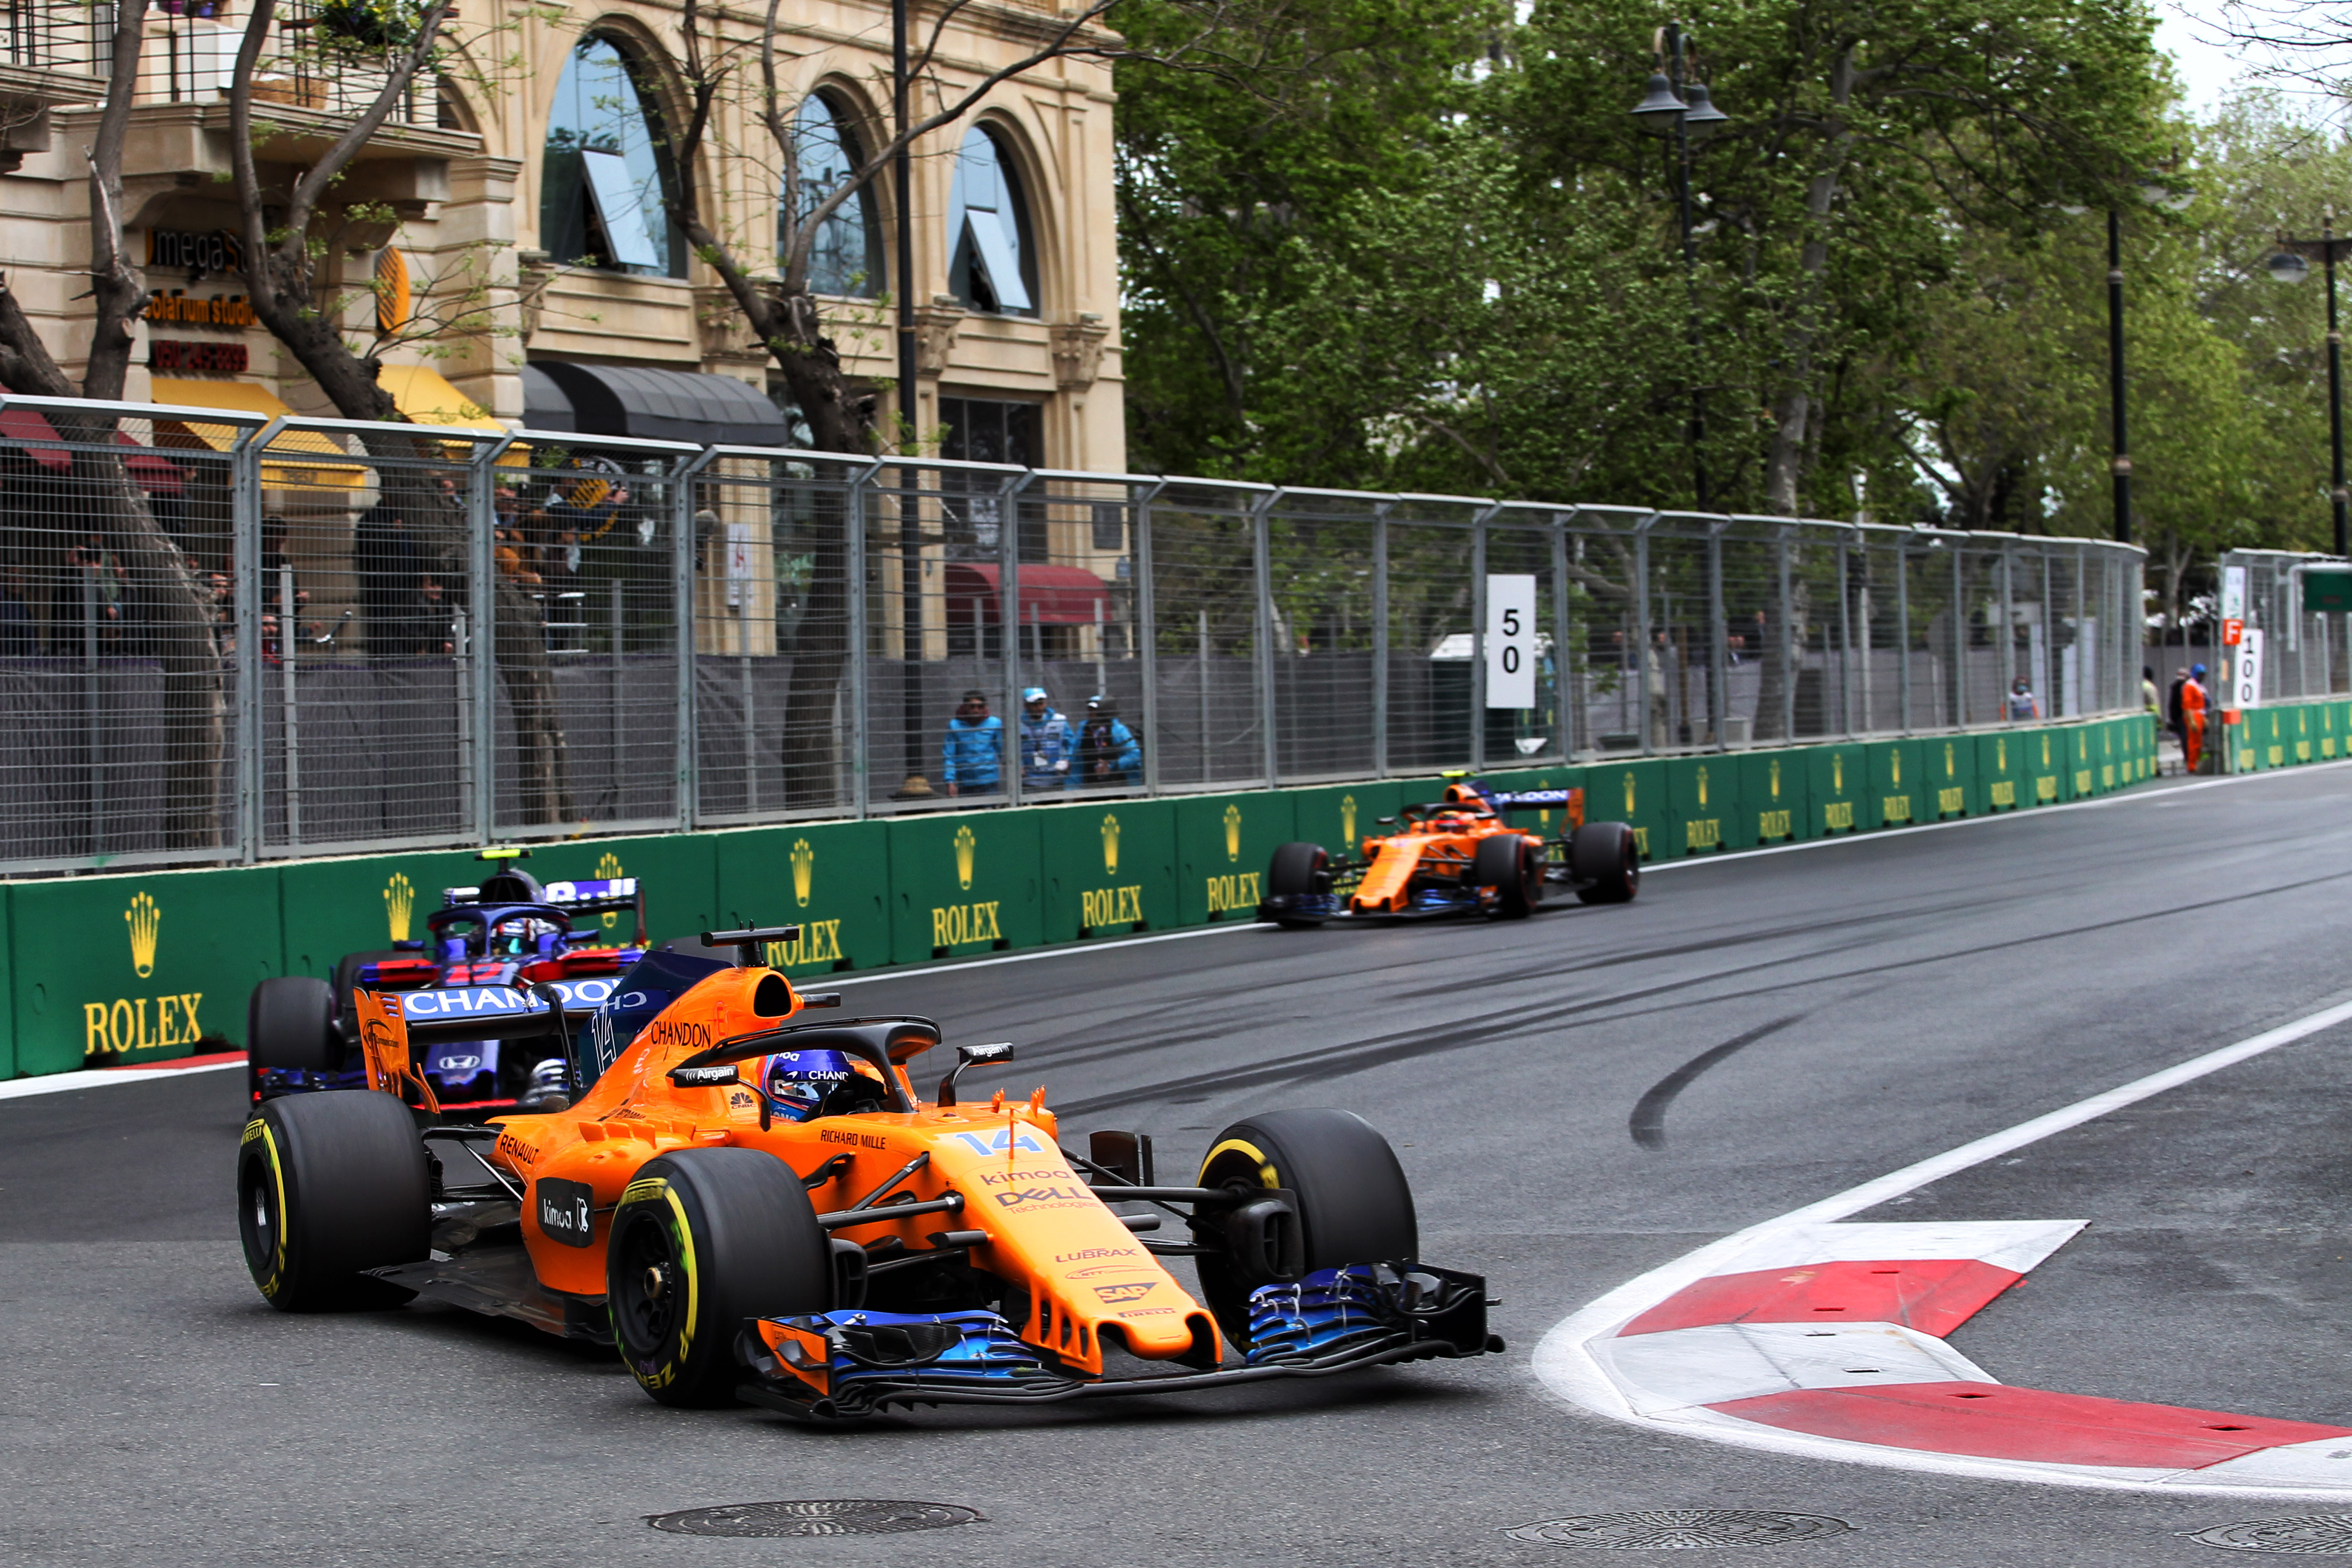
column 8, row 1068
column 963, row 885
column 1896, row 793
column 1341, row 817
column 1704, row 809
column 2274, row 738
column 1952, row 788
column 1999, row 776
column 1109, row 868
column 818, row 876
column 1837, row 781
column 2044, row 762
column 1222, row 845
column 1772, row 797
column 1635, row 794
column 137, row 968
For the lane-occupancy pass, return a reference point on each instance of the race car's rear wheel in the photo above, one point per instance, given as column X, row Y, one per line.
column 1354, row 1203
column 327, row 1186
column 703, row 1239
column 1604, row 859
column 290, row 1024
column 1513, row 868
column 1299, row 871
column 346, row 975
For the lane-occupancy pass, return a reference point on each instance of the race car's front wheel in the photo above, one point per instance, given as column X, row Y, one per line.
column 1605, row 861
column 1354, row 1203
column 702, row 1240
column 327, row 1186
column 1512, row 868
column 1299, row 871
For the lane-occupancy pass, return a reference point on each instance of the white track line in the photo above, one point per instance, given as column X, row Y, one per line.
column 1566, row 1366
column 102, row 1078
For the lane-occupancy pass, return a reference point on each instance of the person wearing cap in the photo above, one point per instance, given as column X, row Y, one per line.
column 1108, row 753
column 973, row 759
column 1048, row 745
column 2192, row 717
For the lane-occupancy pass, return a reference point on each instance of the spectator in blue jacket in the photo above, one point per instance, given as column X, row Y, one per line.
column 1048, row 745
column 1108, row 753
column 972, row 760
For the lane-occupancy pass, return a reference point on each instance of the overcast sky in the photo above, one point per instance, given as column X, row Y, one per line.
column 2188, row 31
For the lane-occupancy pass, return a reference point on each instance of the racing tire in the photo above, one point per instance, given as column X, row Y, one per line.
column 1299, row 871
column 1514, row 868
column 289, row 1025
column 1354, row 1202
column 1604, row 861
column 702, row 1240
column 330, row 1186
column 346, row 975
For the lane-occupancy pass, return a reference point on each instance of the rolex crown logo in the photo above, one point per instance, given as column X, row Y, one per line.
column 1629, row 794
column 1896, row 758
column 1775, row 778
column 1702, row 789
column 1346, row 819
column 143, row 918
column 804, row 871
column 608, row 867
column 1837, row 774
column 2000, row 753
column 1233, row 832
column 1951, row 764
column 1110, row 846
column 399, row 903
column 965, row 843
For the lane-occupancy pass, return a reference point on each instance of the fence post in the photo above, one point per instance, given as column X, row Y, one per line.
column 1564, row 717
column 1380, row 639
column 859, row 735
column 1717, row 635
column 1008, row 590
column 1845, row 636
column 2008, row 632
column 287, row 647
column 245, row 520
column 1960, row 637
column 1146, row 636
column 1640, row 587
column 1791, row 645
column 1903, row 632
column 1478, row 639
column 1262, row 559
column 688, row 761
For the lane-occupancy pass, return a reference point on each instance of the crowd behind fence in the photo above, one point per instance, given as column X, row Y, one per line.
column 228, row 640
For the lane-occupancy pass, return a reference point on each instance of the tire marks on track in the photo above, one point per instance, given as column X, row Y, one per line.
column 1648, row 1123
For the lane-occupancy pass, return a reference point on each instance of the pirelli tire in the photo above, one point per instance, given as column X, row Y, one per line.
column 702, row 1240
column 1354, row 1202
column 1604, row 861
column 1299, row 871
column 328, row 1186
column 1514, row 868
column 289, row 1026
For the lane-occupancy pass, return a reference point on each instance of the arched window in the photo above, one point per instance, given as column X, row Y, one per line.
column 991, row 260
column 847, row 255
column 607, row 170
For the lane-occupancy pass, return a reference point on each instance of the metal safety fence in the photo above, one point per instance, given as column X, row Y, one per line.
column 2275, row 648
column 227, row 638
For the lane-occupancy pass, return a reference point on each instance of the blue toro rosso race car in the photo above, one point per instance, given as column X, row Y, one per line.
column 490, row 948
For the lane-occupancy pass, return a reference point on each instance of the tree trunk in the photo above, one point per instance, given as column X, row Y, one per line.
column 1793, row 410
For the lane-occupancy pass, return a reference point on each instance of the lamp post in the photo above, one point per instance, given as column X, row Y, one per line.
column 1669, row 107
column 2120, row 464
column 2290, row 266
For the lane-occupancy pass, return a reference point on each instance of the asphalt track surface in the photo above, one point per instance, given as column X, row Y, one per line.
column 1578, row 1098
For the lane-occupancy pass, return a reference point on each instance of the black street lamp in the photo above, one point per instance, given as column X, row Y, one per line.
column 2173, row 198
column 1669, row 107
column 2289, row 266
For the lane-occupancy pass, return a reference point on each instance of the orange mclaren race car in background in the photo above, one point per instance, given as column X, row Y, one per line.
column 748, row 1203
column 1457, row 857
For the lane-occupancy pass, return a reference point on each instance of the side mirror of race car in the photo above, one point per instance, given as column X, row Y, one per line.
column 715, row 1077
column 970, row 1056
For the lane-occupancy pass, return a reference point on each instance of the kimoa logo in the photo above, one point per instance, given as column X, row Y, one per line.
column 399, row 903
column 1347, row 818
column 966, row 842
column 1233, row 832
column 608, row 867
column 803, row 871
column 145, row 921
column 1110, row 845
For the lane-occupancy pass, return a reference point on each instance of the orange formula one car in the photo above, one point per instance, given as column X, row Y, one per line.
column 1459, row 856
column 749, row 1203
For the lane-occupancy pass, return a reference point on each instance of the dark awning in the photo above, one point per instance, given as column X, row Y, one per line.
column 41, row 442
column 1050, row 595
column 544, row 406
column 657, row 404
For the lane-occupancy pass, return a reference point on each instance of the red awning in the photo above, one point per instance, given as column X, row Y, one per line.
column 1050, row 595
column 156, row 475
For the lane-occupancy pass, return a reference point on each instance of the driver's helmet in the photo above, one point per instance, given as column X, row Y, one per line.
column 518, row 936
column 804, row 1085
column 1466, row 800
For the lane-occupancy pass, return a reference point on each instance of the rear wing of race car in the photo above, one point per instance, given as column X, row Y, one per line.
column 393, row 1026
column 1568, row 800
column 584, row 897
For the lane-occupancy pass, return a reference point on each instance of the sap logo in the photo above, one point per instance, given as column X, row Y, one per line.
column 1004, row 1140
column 123, row 1024
column 1114, row 1294
column 1110, row 907
column 1099, row 1252
column 1236, row 892
column 959, row 924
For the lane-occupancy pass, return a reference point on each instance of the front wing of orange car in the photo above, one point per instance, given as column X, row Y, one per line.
column 835, row 1365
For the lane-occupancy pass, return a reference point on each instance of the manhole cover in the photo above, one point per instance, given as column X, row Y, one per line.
column 2315, row 1534
column 1681, row 1528
column 819, row 1516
